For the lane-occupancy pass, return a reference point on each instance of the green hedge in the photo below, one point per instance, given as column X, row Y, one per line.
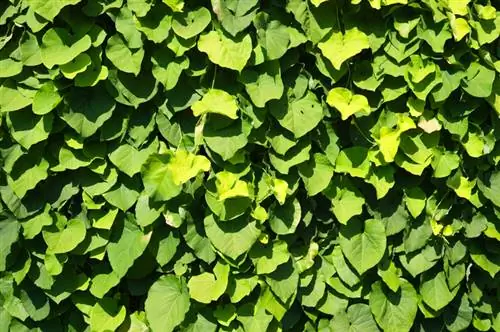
column 245, row 165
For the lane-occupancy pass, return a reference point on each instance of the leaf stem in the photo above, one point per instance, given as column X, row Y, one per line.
column 362, row 133
column 215, row 75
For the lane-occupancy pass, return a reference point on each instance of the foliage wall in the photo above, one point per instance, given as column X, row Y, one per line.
column 245, row 165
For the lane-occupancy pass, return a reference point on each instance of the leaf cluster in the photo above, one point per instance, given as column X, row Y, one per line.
column 245, row 165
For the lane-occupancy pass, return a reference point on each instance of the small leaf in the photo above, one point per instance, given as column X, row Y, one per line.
column 208, row 287
column 66, row 239
column 348, row 103
column 341, row 47
column 415, row 201
column 218, row 102
column 107, row 315
column 353, row 161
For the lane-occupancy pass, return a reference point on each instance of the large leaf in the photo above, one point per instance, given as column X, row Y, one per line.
column 232, row 238
column 49, row 10
column 263, row 83
column 87, row 110
column 164, row 174
column 434, row 290
column 167, row 303
column 127, row 244
column 341, row 47
column 299, row 116
column 208, row 287
column 9, row 232
column 66, row 239
column 363, row 243
column 59, row 47
column 394, row 311
column 225, row 51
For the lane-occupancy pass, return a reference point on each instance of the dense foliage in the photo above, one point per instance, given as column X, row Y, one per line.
column 245, row 165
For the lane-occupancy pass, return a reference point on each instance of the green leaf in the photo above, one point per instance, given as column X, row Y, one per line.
column 46, row 99
column 11, row 99
column 29, row 129
column 390, row 275
column 9, row 233
column 357, row 319
column 285, row 218
column 76, row 66
column 394, row 311
column 155, row 24
column 345, row 271
column 489, row 263
column 124, row 194
column 316, row 22
column 444, row 163
column 382, row 178
column 218, row 102
column 363, row 243
column 284, row 281
column 479, row 80
column 316, row 174
column 175, row 5
column 353, row 161
column 263, row 83
column 10, row 67
column 275, row 38
column 66, row 239
column 491, row 188
column 227, row 52
column 461, row 185
column 28, row 178
column 458, row 7
column 59, row 47
column 167, row 69
column 191, row 23
column 435, row 34
column 127, row 244
column 107, row 315
column 348, row 103
column 459, row 315
column 49, row 10
column 164, row 174
column 125, row 24
column 33, row 226
column 341, row 47
column 130, row 160
column 36, row 303
column 434, row 290
column 167, row 303
column 415, row 201
column 239, row 287
column 87, row 110
column 299, row 116
column 229, row 185
column 226, row 141
column 208, row 287
column 122, row 57
column 347, row 201
column 254, row 320
column 267, row 257
column 232, row 238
